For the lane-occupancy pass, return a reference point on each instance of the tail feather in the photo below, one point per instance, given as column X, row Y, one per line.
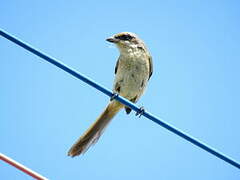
column 92, row 135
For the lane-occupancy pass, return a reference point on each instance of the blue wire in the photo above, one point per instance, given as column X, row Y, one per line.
column 121, row 99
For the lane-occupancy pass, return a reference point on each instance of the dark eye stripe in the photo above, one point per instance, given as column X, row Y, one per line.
column 124, row 37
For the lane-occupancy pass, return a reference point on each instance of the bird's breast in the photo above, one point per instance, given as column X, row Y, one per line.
column 132, row 75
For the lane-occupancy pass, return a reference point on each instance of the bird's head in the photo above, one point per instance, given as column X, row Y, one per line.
column 126, row 40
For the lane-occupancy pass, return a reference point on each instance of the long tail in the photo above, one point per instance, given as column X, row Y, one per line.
column 91, row 136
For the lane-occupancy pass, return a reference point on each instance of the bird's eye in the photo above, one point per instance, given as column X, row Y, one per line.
column 124, row 37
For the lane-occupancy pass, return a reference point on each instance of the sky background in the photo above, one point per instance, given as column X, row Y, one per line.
column 195, row 86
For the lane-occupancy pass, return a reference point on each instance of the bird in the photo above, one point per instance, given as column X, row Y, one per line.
column 133, row 70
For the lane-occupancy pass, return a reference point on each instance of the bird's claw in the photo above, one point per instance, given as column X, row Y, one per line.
column 114, row 96
column 140, row 112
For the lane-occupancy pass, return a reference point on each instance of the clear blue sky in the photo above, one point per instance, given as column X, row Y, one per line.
column 195, row 47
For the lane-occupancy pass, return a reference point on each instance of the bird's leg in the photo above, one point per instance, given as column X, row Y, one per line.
column 114, row 96
column 140, row 112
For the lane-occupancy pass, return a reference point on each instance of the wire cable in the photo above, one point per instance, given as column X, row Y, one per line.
column 122, row 100
column 22, row 167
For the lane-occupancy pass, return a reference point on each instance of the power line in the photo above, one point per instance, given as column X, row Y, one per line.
column 22, row 167
column 122, row 100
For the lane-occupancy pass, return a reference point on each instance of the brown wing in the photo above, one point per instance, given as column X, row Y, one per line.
column 116, row 67
column 150, row 66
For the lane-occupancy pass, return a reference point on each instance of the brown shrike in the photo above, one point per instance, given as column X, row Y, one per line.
column 132, row 72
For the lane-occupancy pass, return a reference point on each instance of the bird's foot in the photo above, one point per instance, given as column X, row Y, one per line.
column 114, row 96
column 140, row 112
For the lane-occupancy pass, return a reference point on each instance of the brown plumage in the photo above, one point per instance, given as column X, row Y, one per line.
column 132, row 72
column 95, row 131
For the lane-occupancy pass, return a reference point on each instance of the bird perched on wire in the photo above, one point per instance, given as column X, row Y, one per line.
column 132, row 72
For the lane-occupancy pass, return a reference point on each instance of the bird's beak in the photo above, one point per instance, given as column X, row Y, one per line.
column 112, row 40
